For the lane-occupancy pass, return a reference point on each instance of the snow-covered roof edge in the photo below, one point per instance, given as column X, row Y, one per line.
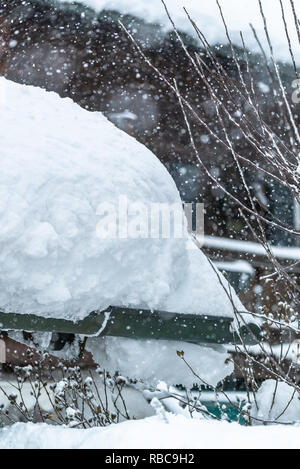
column 208, row 19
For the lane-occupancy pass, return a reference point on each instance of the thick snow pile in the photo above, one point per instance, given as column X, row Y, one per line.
column 238, row 13
column 58, row 163
column 156, row 361
column 277, row 402
column 153, row 432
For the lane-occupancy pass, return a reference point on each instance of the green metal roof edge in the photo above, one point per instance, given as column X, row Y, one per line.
column 139, row 324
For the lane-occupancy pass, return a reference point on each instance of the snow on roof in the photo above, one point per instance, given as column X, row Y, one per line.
column 238, row 13
column 58, row 163
column 236, row 266
column 249, row 247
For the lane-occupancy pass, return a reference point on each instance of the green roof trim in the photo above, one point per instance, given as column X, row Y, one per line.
column 139, row 324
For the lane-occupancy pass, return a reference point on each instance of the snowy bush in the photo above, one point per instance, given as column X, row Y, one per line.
column 64, row 395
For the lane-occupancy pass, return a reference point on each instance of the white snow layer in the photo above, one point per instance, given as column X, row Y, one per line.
column 153, row 432
column 238, row 14
column 58, row 163
column 155, row 360
column 277, row 401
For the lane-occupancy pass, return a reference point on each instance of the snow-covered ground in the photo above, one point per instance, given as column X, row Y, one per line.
column 207, row 16
column 177, row 432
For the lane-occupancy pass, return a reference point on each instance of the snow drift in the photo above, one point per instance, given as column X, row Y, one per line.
column 153, row 432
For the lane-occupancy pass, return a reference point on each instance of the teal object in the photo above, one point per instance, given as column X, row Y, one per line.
column 231, row 410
